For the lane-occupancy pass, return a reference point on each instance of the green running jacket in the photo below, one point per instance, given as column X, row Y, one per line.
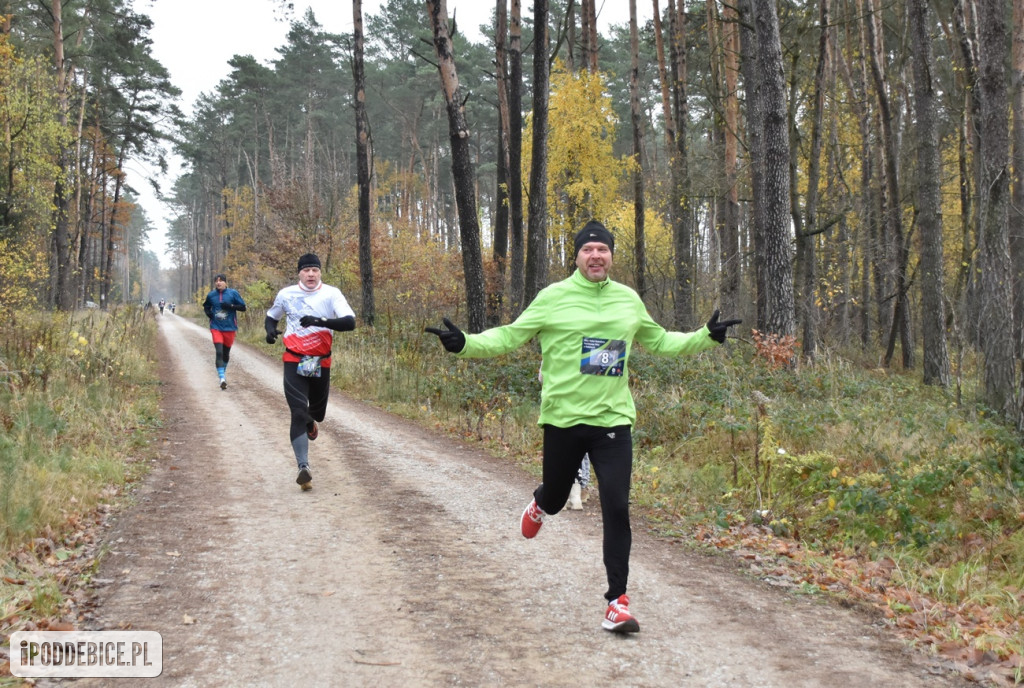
column 586, row 333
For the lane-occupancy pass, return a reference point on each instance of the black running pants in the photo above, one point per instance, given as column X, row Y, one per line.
column 611, row 455
column 306, row 397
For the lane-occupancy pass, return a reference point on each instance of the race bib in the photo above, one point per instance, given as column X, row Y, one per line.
column 309, row 366
column 603, row 356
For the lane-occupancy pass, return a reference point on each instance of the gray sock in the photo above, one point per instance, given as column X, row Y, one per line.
column 300, row 445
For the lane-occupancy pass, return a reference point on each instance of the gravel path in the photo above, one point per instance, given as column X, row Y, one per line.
column 404, row 565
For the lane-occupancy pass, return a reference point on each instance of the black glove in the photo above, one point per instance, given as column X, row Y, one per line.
column 452, row 339
column 227, row 306
column 270, row 325
column 717, row 329
column 311, row 320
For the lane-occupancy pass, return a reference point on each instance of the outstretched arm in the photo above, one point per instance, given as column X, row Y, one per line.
column 346, row 324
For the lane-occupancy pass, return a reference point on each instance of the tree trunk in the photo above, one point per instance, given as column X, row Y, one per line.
column 801, row 239
column 929, row 222
column 585, row 15
column 1017, row 204
column 993, row 197
column 666, row 102
column 112, row 235
column 570, row 37
column 500, row 251
column 856, row 82
column 729, row 233
column 462, row 167
column 63, row 296
column 682, row 224
column 967, row 287
column 755, row 150
column 808, row 241
column 967, row 243
column 517, row 244
column 779, row 316
column 78, row 236
column 895, row 240
column 537, row 249
column 88, row 211
column 636, row 118
column 591, row 10
column 362, row 167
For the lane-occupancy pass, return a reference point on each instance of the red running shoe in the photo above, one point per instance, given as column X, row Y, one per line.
column 312, row 432
column 618, row 619
column 532, row 520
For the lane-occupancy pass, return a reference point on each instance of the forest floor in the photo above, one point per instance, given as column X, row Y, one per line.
column 404, row 565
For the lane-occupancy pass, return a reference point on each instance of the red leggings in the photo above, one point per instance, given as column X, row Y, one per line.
column 222, row 343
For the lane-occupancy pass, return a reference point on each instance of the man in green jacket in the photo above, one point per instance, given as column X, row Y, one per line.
column 586, row 325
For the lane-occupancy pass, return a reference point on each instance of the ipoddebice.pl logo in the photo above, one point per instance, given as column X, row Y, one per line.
column 74, row 654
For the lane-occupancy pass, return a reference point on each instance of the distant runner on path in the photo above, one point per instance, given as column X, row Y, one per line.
column 220, row 307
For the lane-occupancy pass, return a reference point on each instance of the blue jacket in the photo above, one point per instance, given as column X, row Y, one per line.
column 222, row 318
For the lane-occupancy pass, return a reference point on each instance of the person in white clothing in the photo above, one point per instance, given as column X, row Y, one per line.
column 575, row 502
column 313, row 312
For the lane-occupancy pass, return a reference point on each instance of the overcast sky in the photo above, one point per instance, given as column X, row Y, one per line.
column 194, row 39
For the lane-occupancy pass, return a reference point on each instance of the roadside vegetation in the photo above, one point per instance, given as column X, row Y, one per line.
column 78, row 408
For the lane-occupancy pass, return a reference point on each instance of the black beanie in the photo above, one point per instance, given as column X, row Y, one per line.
column 309, row 260
column 594, row 231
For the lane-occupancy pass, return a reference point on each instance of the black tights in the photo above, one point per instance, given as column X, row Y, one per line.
column 223, row 353
column 306, row 397
column 611, row 455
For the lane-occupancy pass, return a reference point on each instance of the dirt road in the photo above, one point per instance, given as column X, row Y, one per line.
column 404, row 566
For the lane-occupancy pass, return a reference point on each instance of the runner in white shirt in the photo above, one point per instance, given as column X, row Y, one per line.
column 314, row 311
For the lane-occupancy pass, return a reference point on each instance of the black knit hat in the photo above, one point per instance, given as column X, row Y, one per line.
column 308, row 260
column 594, row 231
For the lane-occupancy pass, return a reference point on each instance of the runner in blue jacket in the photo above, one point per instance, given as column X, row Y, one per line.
column 586, row 325
column 220, row 307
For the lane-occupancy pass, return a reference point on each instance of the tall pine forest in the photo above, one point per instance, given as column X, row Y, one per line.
column 842, row 175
